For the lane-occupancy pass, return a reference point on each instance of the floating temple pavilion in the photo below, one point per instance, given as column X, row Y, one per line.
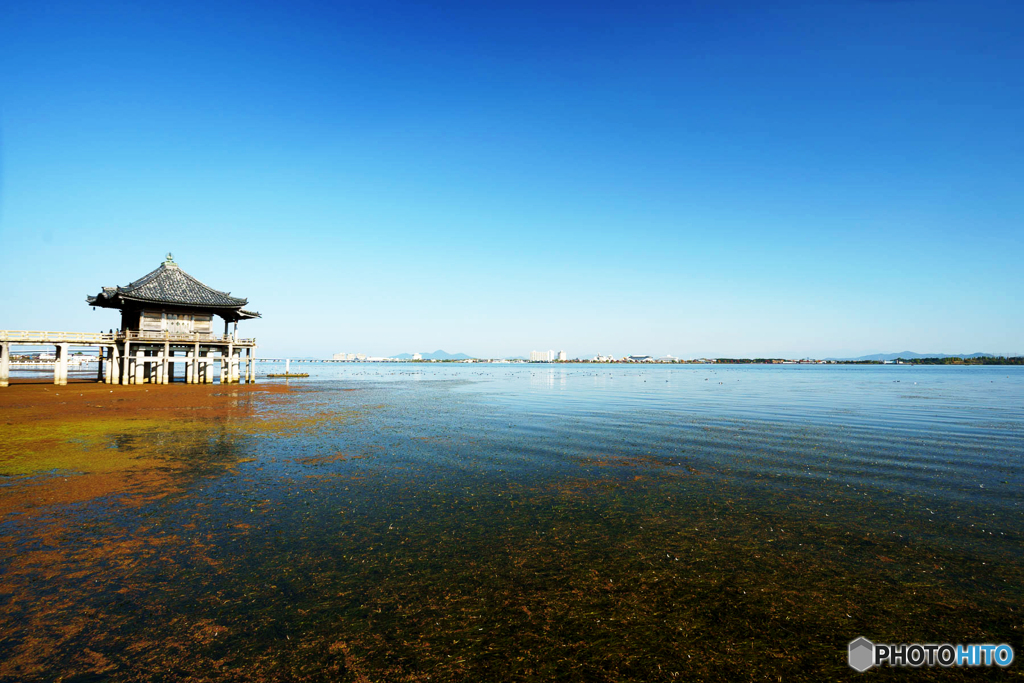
column 168, row 317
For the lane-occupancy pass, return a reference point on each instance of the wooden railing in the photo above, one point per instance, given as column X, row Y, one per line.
column 41, row 337
column 133, row 335
column 44, row 337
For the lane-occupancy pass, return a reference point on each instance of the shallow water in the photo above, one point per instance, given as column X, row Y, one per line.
column 534, row 522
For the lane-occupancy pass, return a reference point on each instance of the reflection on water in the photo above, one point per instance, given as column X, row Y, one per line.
column 443, row 522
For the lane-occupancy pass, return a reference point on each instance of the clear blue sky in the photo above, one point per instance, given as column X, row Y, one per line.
column 694, row 178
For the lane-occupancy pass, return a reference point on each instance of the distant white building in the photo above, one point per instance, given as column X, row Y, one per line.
column 603, row 359
column 542, row 356
column 417, row 356
column 563, row 356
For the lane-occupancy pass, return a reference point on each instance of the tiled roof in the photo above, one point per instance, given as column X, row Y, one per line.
column 171, row 285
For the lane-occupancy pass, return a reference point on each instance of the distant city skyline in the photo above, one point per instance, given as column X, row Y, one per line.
column 563, row 356
column 778, row 180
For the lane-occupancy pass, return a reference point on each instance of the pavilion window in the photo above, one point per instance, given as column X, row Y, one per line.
column 203, row 323
column 152, row 321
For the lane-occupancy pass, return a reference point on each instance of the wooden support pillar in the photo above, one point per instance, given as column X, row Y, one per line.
column 60, row 365
column 195, row 364
column 99, row 363
column 139, row 376
column 125, row 363
column 231, row 364
column 64, row 364
column 5, row 363
column 165, row 364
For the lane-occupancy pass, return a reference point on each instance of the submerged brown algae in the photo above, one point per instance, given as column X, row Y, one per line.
column 115, row 441
column 317, row 535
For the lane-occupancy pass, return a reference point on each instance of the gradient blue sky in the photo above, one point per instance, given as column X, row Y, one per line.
column 694, row 178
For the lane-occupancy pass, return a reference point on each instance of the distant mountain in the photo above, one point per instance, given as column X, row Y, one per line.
column 436, row 355
column 907, row 355
column 444, row 355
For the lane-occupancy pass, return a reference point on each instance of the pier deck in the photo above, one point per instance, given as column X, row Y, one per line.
column 139, row 357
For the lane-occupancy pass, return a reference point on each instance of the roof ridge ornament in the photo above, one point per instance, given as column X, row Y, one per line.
column 169, row 261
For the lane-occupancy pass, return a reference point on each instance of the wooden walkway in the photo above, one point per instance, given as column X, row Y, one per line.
column 152, row 362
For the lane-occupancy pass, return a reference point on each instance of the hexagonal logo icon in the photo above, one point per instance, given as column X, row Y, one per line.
column 862, row 654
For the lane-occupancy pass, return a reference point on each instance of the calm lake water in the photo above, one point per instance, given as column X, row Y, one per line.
column 539, row 522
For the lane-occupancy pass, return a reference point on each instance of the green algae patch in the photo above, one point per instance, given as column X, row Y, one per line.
column 99, row 445
column 96, row 445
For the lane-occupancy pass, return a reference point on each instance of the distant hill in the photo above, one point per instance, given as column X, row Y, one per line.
column 907, row 355
column 436, row 355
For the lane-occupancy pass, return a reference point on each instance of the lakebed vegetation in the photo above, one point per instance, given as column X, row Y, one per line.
column 341, row 533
